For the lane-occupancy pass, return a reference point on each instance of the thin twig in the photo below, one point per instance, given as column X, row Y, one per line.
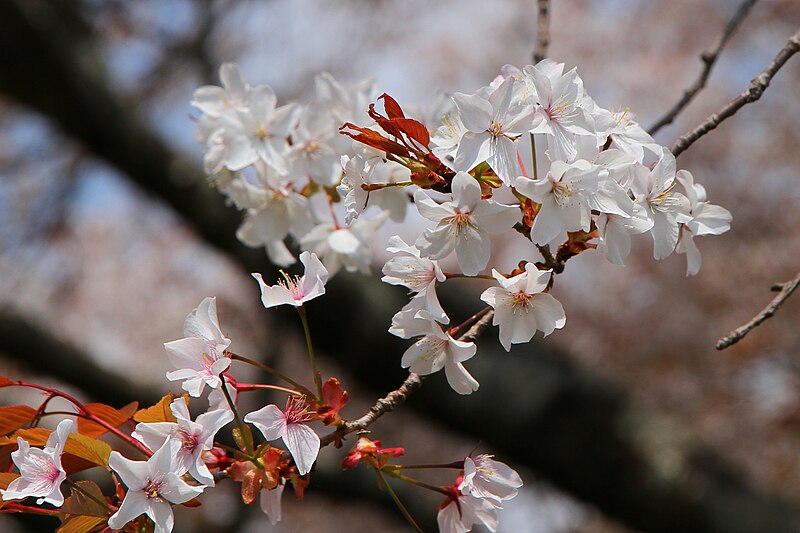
column 399, row 396
column 542, row 31
column 709, row 57
column 753, row 93
column 784, row 291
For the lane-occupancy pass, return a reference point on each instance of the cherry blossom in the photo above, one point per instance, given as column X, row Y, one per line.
column 521, row 306
column 489, row 479
column 152, row 486
column 301, row 441
column 347, row 247
column 41, row 473
column 261, row 132
column 655, row 190
column 435, row 350
column 417, row 273
column 492, row 125
column 458, row 516
column 464, row 224
column 195, row 437
column 296, row 290
column 703, row 218
column 270, row 501
column 560, row 113
column 200, row 356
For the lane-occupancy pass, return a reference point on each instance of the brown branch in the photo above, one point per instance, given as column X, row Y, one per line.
column 784, row 291
column 542, row 31
column 753, row 93
column 709, row 57
column 400, row 395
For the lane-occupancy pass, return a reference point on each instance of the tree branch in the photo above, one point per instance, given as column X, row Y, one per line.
column 753, row 93
column 784, row 291
column 400, row 395
column 709, row 57
column 542, row 30
column 42, row 353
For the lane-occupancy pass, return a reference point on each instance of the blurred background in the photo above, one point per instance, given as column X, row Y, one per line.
column 626, row 420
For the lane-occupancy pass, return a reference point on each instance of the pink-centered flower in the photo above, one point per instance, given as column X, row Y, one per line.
column 200, row 356
column 152, row 486
column 419, row 274
column 521, row 306
column 464, row 224
column 489, row 479
column 296, row 290
column 458, row 516
column 41, row 473
column 301, row 441
column 195, row 437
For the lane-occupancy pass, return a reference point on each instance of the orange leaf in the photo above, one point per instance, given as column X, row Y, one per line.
column 80, row 452
column 115, row 417
column 14, row 417
column 6, row 478
column 92, row 450
column 159, row 412
column 86, row 500
column 80, row 524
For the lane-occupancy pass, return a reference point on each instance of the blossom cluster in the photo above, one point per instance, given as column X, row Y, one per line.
column 530, row 152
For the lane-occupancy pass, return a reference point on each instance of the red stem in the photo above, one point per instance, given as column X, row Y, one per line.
column 85, row 413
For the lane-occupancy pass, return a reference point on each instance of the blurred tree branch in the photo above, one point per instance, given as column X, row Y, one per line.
column 753, row 93
column 784, row 290
column 542, row 30
column 41, row 352
column 709, row 57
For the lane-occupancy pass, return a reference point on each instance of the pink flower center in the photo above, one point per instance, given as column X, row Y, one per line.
column 294, row 285
column 189, row 440
column 297, row 411
column 557, row 110
column 153, row 489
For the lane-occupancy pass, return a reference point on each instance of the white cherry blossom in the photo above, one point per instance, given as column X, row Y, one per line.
column 468, row 511
column 296, row 290
column 195, row 437
column 435, row 350
column 521, row 306
column 655, row 190
column 489, row 479
column 703, row 218
column 560, row 114
column 301, row 441
column 41, row 473
column 464, row 224
column 492, row 125
column 200, row 356
column 419, row 274
column 346, row 247
column 153, row 485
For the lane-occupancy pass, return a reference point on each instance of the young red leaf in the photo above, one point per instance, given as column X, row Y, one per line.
column 374, row 139
column 391, row 106
column 335, row 398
